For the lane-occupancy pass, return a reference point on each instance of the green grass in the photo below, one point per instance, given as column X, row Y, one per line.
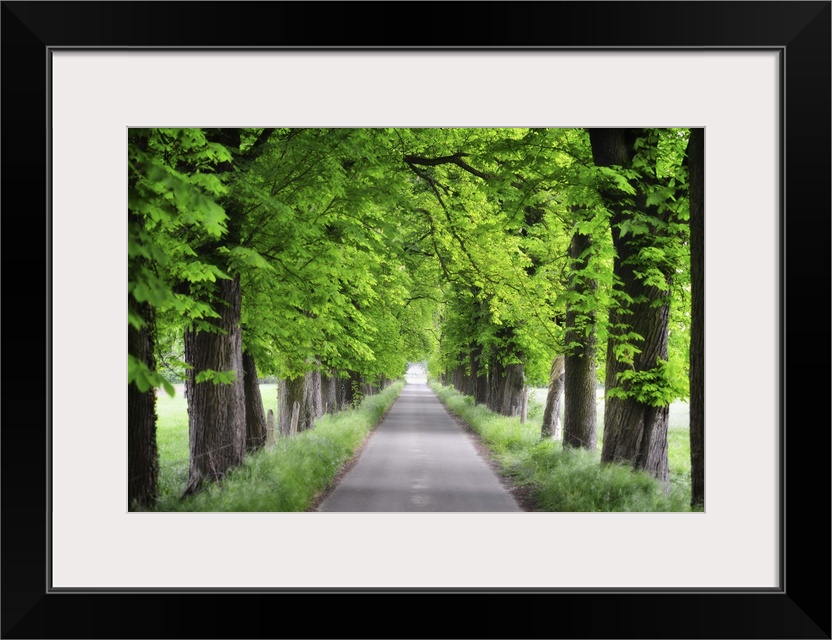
column 287, row 477
column 290, row 476
column 574, row 480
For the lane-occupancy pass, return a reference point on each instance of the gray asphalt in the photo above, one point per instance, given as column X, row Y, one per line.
column 419, row 459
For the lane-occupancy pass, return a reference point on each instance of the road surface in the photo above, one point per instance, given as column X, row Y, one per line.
column 419, row 459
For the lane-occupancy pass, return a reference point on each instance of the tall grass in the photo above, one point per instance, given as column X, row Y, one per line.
column 287, row 477
column 572, row 479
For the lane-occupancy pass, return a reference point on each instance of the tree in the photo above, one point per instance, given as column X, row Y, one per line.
column 580, row 417
column 639, row 193
column 166, row 207
column 213, row 348
column 550, row 427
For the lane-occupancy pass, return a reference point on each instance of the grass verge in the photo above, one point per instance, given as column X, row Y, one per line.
column 571, row 480
column 289, row 476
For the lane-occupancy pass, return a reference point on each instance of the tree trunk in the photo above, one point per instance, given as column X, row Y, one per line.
column 216, row 412
column 352, row 390
column 696, row 167
column 496, row 381
column 345, row 394
column 551, row 414
column 289, row 391
column 142, row 454
column 478, row 381
column 635, row 433
column 512, row 401
column 255, row 415
column 315, row 394
column 459, row 379
column 330, row 391
column 366, row 387
column 580, row 415
column 304, row 390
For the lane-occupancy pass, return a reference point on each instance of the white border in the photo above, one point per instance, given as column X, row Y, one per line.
column 98, row 94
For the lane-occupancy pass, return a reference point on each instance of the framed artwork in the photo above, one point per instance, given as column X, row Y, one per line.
column 755, row 75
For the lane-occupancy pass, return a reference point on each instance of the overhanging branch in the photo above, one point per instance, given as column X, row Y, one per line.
column 456, row 159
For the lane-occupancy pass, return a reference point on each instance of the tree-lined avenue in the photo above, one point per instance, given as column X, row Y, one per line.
column 330, row 258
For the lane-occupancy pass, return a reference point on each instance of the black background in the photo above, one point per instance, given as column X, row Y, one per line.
column 800, row 609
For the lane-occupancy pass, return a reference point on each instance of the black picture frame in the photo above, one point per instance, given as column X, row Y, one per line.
column 799, row 609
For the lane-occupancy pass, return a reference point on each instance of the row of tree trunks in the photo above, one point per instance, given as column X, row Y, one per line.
column 501, row 389
column 319, row 392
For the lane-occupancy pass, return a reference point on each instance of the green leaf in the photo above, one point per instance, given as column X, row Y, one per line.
column 217, row 377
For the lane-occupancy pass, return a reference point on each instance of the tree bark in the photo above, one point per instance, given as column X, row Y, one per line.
column 496, row 381
column 551, row 414
column 580, row 415
column 289, row 391
column 512, row 400
column 352, row 390
column 459, row 379
column 315, row 391
column 696, row 167
column 216, row 412
column 306, row 391
column 255, row 414
column 142, row 453
column 479, row 382
column 634, row 433
column 330, row 391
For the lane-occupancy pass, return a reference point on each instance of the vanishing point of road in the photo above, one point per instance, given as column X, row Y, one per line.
column 419, row 459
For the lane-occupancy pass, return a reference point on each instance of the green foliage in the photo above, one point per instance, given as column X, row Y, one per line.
column 171, row 207
column 656, row 387
column 336, row 238
column 217, row 377
column 140, row 374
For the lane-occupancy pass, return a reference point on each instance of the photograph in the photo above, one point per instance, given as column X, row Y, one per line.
column 289, row 287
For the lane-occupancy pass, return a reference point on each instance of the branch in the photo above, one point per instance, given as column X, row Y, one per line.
column 261, row 140
column 454, row 159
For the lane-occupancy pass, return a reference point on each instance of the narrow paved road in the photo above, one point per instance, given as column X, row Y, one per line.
column 419, row 459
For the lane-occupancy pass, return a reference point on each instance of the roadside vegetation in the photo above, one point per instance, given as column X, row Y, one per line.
column 286, row 477
column 571, row 479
